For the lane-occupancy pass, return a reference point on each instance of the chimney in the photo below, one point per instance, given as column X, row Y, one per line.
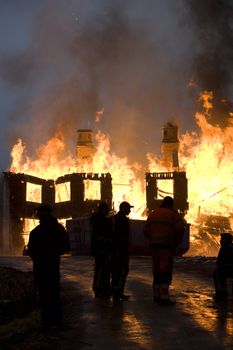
column 170, row 146
column 85, row 147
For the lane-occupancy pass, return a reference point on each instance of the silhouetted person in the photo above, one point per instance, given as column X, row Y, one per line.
column 164, row 229
column 101, row 239
column 120, row 251
column 224, row 268
column 47, row 242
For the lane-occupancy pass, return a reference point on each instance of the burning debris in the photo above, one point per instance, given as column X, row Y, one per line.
column 206, row 234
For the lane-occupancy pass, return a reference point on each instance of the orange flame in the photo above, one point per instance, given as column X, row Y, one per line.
column 209, row 167
column 49, row 162
column 206, row 98
column 206, row 157
column 98, row 115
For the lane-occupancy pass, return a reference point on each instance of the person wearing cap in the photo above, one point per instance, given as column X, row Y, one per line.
column 120, row 251
column 164, row 229
column 224, row 268
column 101, row 236
column 47, row 241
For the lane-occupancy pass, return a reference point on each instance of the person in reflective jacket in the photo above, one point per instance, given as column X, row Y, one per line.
column 164, row 229
column 47, row 242
column 224, row 268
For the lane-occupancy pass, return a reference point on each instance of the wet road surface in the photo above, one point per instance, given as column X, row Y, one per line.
column 195, row 322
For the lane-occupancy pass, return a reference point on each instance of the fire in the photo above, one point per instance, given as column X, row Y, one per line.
column 49, row 162
column 205, row 156
column 98, row 115
column 206, row 98
column 208, row 162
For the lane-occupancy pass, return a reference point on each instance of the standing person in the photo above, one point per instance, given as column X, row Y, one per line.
column 120, row 251
column 224, row 268
column 101, row 236
column 164, row 229
column 47, row 242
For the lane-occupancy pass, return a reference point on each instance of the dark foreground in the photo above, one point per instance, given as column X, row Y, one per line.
column 195, row 322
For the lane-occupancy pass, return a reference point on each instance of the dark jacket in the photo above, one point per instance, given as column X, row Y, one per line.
column 48, row 239
column 121, row 234
column 101, row 235
column 225, row 258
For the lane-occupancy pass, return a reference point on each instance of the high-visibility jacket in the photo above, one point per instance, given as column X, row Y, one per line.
column 165, row 228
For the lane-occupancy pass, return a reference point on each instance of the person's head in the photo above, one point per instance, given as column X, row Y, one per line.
column 125, row 207
column 226, row 238
column 44, row 211
column 168, row 202
column 103, row 208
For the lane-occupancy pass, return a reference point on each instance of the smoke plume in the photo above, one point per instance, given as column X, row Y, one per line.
column 132, row 59
column 212, row 62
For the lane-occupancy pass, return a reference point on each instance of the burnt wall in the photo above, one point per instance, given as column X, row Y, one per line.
column 19, row 207
column 15, row 206
column 78, row 206
column 1, row 210
column 180, row 190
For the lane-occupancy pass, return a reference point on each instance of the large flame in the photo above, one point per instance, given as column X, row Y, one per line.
column 50, row 163
column 205, row 156
column 207, row 159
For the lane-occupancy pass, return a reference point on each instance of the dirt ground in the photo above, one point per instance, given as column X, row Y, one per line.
column 195, row 322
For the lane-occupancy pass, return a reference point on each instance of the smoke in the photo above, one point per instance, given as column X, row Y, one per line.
column 132, row 59
column 212, row 62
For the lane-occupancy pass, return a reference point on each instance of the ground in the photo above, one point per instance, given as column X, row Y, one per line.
column 195, row 322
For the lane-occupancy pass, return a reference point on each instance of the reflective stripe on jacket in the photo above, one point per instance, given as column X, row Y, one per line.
column 164, row 227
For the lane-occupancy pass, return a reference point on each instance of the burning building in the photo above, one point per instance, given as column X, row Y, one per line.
column 77, row 194
column 207, row 184
column 70, row 196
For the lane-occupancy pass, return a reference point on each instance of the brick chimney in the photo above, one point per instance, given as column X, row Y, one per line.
column 170, row 146
column 85, row 147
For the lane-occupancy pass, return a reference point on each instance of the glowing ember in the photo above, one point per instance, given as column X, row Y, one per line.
column 99, row 115
column 206, row 98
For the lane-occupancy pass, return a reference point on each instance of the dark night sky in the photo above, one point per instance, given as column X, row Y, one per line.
column 63, row 60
